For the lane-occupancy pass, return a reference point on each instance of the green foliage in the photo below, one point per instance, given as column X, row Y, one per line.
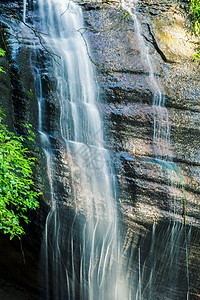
column 2, row 53
column 195, row 11
column 195, row 14
column 196, row 56
column 16, row 185
column 29, row 94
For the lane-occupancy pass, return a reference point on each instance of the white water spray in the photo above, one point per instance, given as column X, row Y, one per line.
column 24, row 10
column 93, row 270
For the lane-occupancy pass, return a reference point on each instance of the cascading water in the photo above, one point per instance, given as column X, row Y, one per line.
column 161, row 136
column 82, row 254
column 24, row 10
column 172, row 238
column 81, row 248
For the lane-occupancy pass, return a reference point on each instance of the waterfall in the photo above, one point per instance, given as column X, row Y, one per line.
column 24, row 10
column 81, row 244
column 81, row 247
column 44, row 137
column 161, row 136
column 172, row 238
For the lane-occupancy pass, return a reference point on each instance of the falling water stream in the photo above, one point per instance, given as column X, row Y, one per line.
column 161, row 135
column 24, row 10
column 90, row 268
column 172, row 239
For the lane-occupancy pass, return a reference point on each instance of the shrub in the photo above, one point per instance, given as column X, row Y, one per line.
column 16, row 185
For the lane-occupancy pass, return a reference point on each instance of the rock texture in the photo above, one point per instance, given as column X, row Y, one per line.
column 151, row 189
column 20, row 260
column 126, row 90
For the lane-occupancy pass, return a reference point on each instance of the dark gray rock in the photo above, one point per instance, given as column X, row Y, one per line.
column 149, row 189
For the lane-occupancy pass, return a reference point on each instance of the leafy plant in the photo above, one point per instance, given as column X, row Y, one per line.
column 2, row 53
column 196, row 56
column 16, row 185
column 195, row 14
column 195, row 10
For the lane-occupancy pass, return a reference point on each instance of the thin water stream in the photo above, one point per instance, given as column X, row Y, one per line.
column 175, row 236
column 161, row 135
column 24, row 10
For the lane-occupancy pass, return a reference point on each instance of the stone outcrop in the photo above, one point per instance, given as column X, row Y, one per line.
column 125, row 88
column 150, row 189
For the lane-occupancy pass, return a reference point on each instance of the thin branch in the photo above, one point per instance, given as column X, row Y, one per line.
column 65, row 10
column 154, row 43
column 94, row 30
column 37, row 34
column 107, row 29
column 87, row 50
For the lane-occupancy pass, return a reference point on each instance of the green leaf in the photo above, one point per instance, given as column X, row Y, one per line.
column 1, row 70
column 2, row 52
column 16, row 194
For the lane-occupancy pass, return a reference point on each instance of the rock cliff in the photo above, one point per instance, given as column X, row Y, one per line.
column 152, row 189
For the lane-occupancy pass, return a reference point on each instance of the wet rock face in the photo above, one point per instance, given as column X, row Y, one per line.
column 150, row 189
column 19, row 260
column 5, row 97
column 127, row 93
